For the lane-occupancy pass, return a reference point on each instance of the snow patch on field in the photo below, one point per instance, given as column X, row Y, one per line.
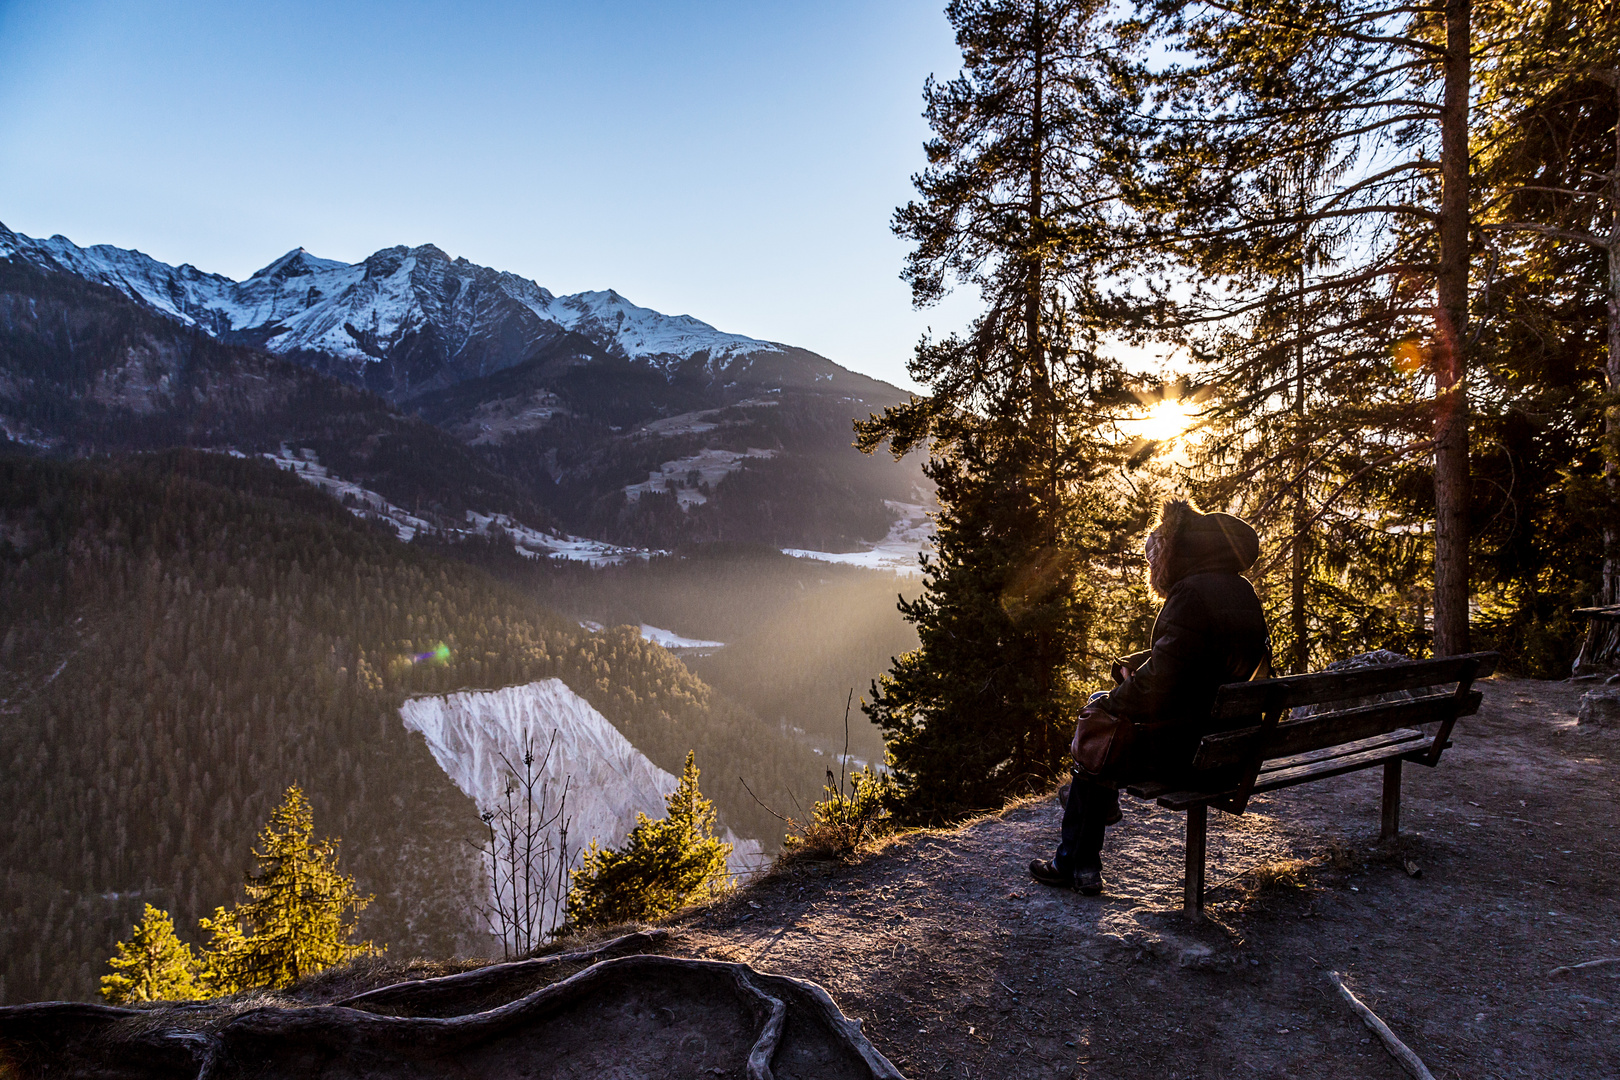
column 535, row 544
column 671, row 640
column 359, row 501
column 687, row 477
column 667, row 639
column 898, row 551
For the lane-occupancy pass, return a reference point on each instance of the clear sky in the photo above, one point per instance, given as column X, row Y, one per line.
column 734, row 161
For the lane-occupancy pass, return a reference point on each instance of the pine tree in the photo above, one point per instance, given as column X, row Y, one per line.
column 153, row 965
column 300, row 911
column 662, row 866
column 1374, row 99
column 1548, row 151
column 1014, row 202
column 981, row 710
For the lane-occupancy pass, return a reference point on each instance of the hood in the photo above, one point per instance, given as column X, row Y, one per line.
column 1187, row 541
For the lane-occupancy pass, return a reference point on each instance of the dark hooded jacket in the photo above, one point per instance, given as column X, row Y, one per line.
column 1211, row 631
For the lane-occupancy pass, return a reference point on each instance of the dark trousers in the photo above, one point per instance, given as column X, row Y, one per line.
column 1091, row 803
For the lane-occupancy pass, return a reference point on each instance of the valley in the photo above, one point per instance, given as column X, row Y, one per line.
column 226, row 568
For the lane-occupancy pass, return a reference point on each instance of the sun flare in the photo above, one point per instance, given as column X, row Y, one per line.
column 1166, row 419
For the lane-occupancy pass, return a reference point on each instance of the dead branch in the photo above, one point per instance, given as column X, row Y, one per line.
column 1397, row 1049
column 1588, row 964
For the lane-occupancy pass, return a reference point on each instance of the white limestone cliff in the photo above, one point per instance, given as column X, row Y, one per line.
column 608, row 779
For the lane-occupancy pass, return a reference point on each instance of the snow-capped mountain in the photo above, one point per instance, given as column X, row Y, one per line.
column 585, row 415
column 403, row 322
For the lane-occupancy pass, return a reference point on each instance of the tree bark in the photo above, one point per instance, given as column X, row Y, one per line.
column 1601, row 650
column 1302, row 645
column 1611, row 416
column 1043, row 415
column 1451, row 592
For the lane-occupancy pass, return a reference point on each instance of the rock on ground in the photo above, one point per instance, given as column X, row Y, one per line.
column 1601, row 707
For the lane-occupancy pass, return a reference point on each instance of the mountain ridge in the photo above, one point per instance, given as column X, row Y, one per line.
column 360, row 314
column 602, row 418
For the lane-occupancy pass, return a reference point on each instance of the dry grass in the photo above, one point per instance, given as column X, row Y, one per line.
column 1278, row 875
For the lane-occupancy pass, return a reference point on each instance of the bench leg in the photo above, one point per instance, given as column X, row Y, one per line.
column 1392, row 800
column 1197, row 828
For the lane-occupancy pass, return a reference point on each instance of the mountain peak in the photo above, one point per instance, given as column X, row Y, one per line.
column 296, row 263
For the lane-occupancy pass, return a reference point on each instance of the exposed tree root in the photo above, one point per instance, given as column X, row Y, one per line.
column 622, row 1015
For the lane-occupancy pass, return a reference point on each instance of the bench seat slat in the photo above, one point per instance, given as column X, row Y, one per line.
column 1151, row 789
column 1148, row 790
column 1329, row 729
column 1300, row 774
column 1236, row 701
column 1327, row 753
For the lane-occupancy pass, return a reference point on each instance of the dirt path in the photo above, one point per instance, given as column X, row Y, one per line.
column 962, row 967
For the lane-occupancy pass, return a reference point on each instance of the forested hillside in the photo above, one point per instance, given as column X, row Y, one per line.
column 189, row 633
column 799, row 635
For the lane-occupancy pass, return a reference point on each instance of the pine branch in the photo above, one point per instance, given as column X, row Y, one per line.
column 1571, row 235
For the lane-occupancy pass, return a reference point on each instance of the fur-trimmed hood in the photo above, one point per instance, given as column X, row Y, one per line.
column 1187, row 541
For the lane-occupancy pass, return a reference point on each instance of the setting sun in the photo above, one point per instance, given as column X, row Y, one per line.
column 1166, row 419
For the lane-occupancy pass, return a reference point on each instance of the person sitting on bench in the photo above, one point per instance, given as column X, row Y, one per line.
column 1211, row 631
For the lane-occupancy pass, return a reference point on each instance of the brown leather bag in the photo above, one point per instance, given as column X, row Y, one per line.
column 1101, row 740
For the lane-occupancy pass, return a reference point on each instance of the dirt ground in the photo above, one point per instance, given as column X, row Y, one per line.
column 960, row 966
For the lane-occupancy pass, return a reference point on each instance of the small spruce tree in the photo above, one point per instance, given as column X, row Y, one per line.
column 662, row 865
column 300, row 912
column 153, row 965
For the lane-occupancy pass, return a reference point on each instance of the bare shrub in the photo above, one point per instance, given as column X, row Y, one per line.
column 850, row 813
column 527, row 855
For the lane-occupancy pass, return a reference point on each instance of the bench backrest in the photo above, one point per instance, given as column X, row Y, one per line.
column 1441, row 690
column 1262, row 696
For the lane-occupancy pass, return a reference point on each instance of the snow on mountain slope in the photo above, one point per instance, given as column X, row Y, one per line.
column 638, row 332
column 361, row 312
column 899, row 551
column 530, row 543
column 608, row 780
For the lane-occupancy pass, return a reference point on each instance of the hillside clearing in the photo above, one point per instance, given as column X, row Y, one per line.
column 962, row 967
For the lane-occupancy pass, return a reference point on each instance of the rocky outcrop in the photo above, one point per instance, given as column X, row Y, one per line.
column 625, row 1016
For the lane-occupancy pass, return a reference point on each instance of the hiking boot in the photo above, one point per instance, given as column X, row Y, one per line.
column 1046, row 872
column 1088, row 880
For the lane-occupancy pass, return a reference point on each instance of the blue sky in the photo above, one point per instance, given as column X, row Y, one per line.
column 735, row 161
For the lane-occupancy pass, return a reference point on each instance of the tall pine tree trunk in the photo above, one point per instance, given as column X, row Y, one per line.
column 1302, row 645
column 1451, row 592
column 1602, row 646
column 1043, row 415
column 1611, row 418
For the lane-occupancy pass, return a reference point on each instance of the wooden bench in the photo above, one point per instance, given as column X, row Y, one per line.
column 1272, row 751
